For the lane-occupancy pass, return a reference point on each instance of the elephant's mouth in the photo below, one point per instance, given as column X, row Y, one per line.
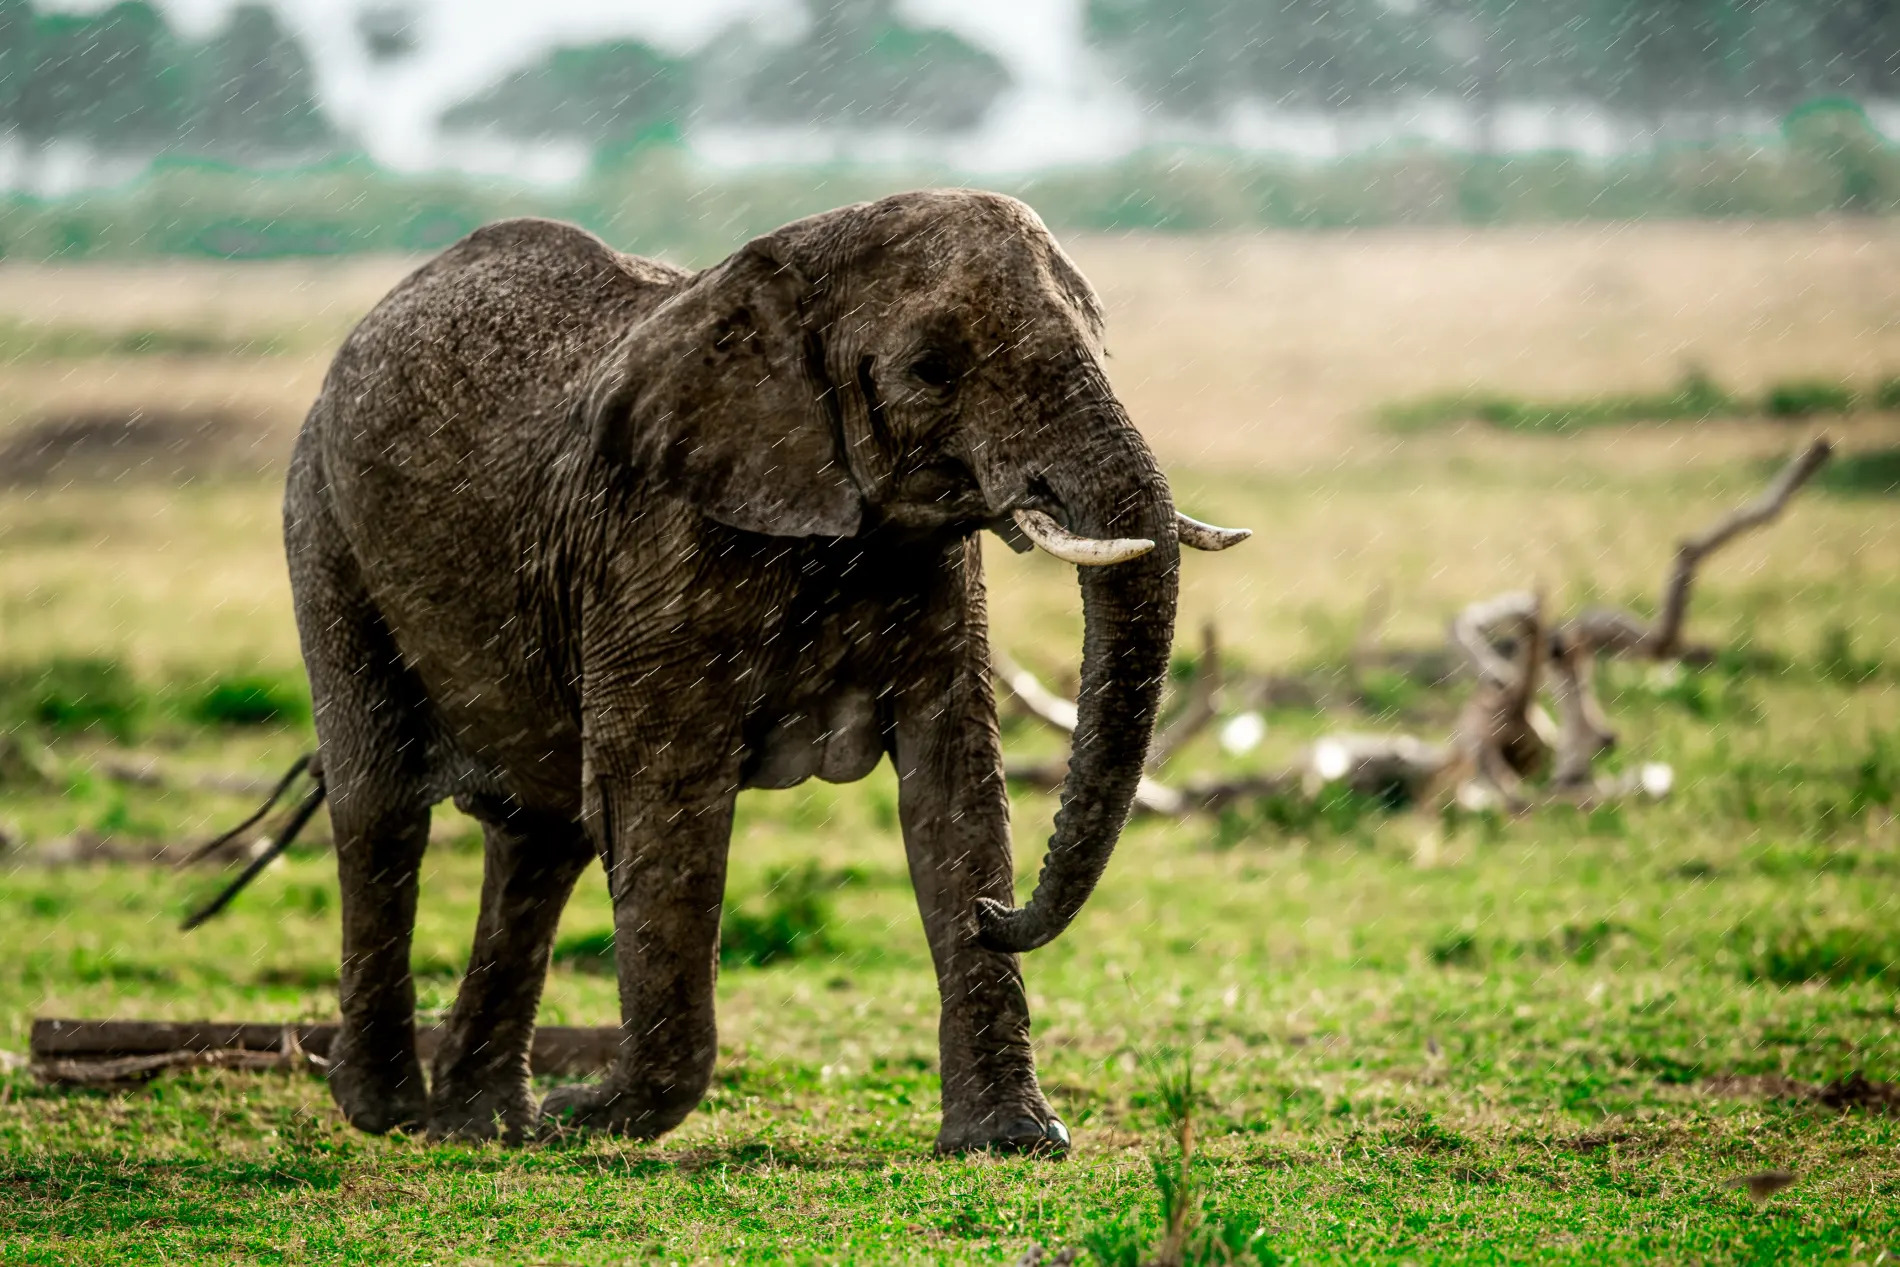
column 930, row 498
column 945, row 494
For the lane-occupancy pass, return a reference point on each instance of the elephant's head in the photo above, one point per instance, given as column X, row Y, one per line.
column 929, row 363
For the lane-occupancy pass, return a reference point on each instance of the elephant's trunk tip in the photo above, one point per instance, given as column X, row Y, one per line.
column 1013, row 932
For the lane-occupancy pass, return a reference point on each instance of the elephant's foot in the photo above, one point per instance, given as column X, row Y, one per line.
column 501, row 1108
column 1009, row 1130
column 377, row 1094
column 613, row 1110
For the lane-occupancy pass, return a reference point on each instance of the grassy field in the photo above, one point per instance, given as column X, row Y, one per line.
column 1418, row 1037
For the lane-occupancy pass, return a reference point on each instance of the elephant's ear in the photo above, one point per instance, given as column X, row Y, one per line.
column 715, row 397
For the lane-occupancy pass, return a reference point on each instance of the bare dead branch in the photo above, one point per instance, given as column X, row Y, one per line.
column 1614, row 631
column 1202, row 707
column 559, row 1050
column 127, row 1069
column 1474, row 628
column 1530, row 665
column 1691, row 551
column 1036, row 699
column 1584, row 733
column 1376, row 764
column 1610, row 630
column 1500, row 736
column 1151, row 797
column 1211, row 796
column 146, row 771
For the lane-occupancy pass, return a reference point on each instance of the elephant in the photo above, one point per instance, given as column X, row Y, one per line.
column 588, row 543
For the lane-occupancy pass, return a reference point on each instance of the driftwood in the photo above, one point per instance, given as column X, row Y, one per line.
column 1621, row 632
column 118, row 1070
column 22, row 765
column 1203, row 703
column 113, row 1051
column 147, row 771
column 1166, row 800
column 1395, row 767
column 1046, row 706
column 1503, row 738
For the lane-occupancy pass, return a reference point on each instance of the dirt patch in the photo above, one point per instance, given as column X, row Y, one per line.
column 109, row 447
column 1592, row 1141
column 1641, row 1142
column 1855, row 1091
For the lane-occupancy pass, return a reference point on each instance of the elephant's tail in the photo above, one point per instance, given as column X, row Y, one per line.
column 308, row 763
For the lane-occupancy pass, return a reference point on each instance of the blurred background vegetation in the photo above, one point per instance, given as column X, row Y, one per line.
column 1426, row 112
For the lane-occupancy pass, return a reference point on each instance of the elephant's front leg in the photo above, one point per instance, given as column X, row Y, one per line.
column 664, row 851
column 955, row 815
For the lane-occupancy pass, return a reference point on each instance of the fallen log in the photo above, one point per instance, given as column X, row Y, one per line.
column 1202, row 795
column 119, row 1070
column 66, row 1050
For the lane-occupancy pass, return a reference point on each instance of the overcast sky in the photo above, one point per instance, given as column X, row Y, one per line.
column 1063, row 108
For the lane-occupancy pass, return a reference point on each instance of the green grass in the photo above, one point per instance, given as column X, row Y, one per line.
column 32, row 341
column 1875, row 473
column 68, row 695
column 1806, row 398
column 1414, row 1036
column 791, row 918
column 1695, row 399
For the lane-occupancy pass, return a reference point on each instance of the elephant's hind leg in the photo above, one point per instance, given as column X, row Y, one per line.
column 369, row 714
column 375, row 1075
column 481, row 1083
column 381, row 823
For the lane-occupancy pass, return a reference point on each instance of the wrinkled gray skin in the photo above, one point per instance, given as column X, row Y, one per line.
column 589, row 543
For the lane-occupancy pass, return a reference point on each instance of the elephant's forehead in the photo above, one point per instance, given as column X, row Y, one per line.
column 996, row 291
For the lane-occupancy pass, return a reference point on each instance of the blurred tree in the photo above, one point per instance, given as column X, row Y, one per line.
column 1196, row 58
column 16, row 57
column 604, row 95
column 113, row 79
column 1647, row 58
column 387, row 31
column 1866, row 35
column 253, row 92
column 122, row 81
column 860, row 62
column 1835, row 134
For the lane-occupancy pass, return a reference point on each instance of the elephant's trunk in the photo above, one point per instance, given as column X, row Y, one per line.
column 1113, row 490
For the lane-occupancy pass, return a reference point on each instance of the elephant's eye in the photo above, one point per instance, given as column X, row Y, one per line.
column 933, row 369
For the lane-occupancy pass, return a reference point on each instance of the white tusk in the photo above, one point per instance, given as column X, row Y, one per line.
column 1081, row 551
column 1199, row 536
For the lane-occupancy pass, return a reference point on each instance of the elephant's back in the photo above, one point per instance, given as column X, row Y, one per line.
column 450, row 467
column 443, row 425
column 486, row 338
